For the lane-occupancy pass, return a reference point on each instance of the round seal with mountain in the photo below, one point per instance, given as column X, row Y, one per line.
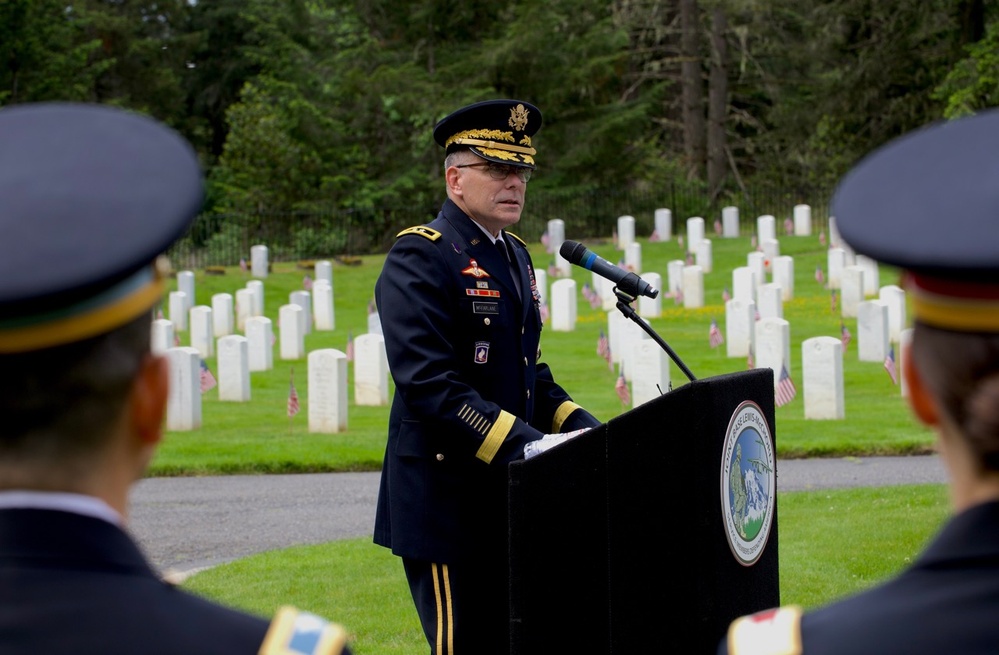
column 748, row 483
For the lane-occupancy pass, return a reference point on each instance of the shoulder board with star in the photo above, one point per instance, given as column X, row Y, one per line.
column 422, row 230
column 516, row 238
column 294, row 632
column 772, row 632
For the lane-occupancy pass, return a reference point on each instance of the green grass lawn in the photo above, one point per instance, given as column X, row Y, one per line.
column 258, row 437
column 831, row 544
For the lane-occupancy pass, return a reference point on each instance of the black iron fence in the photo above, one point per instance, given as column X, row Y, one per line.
column 225, row 239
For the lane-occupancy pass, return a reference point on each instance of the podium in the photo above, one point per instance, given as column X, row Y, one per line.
column 651, row 532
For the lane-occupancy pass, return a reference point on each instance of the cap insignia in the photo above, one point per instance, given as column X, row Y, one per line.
column 518, row 117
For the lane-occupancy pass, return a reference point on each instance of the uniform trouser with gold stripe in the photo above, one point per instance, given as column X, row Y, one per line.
column 464, row 608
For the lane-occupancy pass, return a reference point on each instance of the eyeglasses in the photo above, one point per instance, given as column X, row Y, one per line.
column 501, row 171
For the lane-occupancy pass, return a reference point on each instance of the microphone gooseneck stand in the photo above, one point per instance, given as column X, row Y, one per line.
column 624, row 305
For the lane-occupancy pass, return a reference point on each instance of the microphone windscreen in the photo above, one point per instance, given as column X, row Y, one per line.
column 572, row 251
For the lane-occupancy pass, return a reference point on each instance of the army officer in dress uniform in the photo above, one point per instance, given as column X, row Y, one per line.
column 89, row 197
column 460, row 312
column 927, row 203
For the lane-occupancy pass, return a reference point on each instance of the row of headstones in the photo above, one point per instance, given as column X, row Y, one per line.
column 326, row 393
column 766, row 233
column 227, row 316
column 645, row 365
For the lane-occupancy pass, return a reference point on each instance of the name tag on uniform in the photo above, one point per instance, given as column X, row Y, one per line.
column 485, row 308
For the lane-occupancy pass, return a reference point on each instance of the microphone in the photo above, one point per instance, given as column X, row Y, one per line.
column 629, row 283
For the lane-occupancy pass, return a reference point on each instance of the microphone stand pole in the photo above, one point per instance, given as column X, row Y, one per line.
column 624, row 305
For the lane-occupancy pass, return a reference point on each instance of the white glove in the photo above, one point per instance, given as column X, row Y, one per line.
column 550, row 441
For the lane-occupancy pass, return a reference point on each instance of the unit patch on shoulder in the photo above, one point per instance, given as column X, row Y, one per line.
column 293, row 632
column 422, row 230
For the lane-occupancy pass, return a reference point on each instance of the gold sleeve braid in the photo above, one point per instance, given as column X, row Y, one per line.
column 496, row 436
column 561, row 414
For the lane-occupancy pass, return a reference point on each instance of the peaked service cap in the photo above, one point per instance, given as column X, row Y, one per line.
column 497, row 130
column 928, row 203
column 92, row 195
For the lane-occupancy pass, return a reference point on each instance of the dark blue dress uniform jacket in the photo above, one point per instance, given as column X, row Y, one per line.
column 463, row 349
column 78, row 584
column 946, row 602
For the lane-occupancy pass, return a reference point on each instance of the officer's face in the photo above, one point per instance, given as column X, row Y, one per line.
column 493, row 204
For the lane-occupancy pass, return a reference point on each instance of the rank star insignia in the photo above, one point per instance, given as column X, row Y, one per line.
column 474, row 270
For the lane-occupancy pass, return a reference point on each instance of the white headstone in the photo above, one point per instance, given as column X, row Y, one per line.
column 202, row 337
column 633, row 257
column 901, row 357
column 161, row 336
column 563, row 309
column 327, row 393
column 260, row 334
column 244, row 308
column 541, row 279
column 292, row 333
column 556, row 236
column 822, row 378
column 371, row 372
column 374, row 323
column 852, row 295
column 802, row 220
column 773, row 345
column 757, row 262
column 631, row 335
column 730, row 222
column 650, row 372
column 872, row 331
column 744, row 283
column 625, row 231
column 234, row 369
column 835, row 240
column 783, row 276
column 664, row 224
column 222, row 315
column 651, row 307
column 185, row 283
column 304, row 300
column 324, row 271
column 178, row 310
column 616, row 326
column 894, row 298
column 259, row 263
column 674, row 275
column 695, row 232
column 740, row 326
column 771, row 251
column 771, row 303
column 835, row 262
column 693, row 287
column 184, row 398
column 322, row 306
column 256, row 288
column 704, row 257
column 872, row 278
column 605, row 288
column 766, row 228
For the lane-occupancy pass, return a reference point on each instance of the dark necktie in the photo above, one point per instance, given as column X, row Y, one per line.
column 505, row 254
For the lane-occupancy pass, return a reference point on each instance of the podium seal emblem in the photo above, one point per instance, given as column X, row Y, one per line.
column 748, row 483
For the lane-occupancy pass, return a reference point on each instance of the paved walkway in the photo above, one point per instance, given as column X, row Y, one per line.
column 185, row 524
